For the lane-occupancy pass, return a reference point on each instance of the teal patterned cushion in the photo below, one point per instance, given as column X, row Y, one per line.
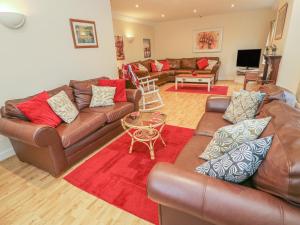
column 243, row 105
column 240, row 163
column 229, row 137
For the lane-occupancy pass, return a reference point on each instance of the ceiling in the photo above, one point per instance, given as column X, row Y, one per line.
column 152, row 10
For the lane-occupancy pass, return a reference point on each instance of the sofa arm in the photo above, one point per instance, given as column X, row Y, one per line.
column 134, row 96
column 216, row 103
column 216, row 201
column 27, row 132
column 216, row 68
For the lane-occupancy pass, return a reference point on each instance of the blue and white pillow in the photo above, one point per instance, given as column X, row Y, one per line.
column 238, row 164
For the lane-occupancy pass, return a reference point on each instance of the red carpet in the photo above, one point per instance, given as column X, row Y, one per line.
column 199, row 89
column 120, row 178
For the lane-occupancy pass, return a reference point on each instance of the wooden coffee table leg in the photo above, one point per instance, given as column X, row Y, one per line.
column 131, row 145
column 176, row 84
column 208, row 85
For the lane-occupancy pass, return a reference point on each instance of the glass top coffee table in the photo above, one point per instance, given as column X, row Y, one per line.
column 145, row 127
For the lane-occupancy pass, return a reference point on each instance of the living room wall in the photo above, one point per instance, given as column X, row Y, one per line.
column 134, row 51
column 289, row 72
column 243, row 30
column 41, row 55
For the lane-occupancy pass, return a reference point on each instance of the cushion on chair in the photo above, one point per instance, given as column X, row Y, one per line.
column 115, row 112
column 82, row 126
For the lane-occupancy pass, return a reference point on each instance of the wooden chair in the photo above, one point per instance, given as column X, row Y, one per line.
column 151, row 99
column 256, row 77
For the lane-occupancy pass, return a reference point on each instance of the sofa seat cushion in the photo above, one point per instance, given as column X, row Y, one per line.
column 188, row 158
column 183, row 72
column 82, row 126
column 114, row 112
column 210, row 123
column 159, row 74
column 202, row 71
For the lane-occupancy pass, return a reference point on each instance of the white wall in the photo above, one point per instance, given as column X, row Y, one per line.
column 134, row 51
column 41, row 56
column 289, row 72
column 241, row 30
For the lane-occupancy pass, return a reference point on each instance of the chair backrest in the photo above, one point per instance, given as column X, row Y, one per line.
column 133, row 77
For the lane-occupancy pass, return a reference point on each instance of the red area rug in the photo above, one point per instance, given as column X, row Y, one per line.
column 120, row 178
column 199, row 89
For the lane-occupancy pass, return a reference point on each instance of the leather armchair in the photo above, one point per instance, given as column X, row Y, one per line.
column 214, row 201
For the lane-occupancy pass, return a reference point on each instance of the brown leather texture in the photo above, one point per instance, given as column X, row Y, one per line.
column 271, row 197
column 215, row 201
column 82, row 126
column 42, row 146
column 12, row 111
column 279, row 173
column 191, row 152
column 147, row 64
column 216, row 121
column 215, row 103
column 175, row 64
column 189, row 63
column 83, row 91
column 114, row 112
column 176, row 67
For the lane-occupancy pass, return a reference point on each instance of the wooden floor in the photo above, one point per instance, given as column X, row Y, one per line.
column 31, row 196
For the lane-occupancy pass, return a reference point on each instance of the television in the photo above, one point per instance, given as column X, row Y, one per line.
column 248, row 58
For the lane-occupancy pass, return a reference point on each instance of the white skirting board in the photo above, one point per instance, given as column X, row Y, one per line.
column 6, row 153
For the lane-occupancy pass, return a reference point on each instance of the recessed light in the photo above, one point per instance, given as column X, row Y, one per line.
column 163, row 15
column 195, row 11
column 137, row 6
column 232, row 5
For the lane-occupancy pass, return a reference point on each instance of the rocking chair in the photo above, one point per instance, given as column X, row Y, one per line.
column 151, row 99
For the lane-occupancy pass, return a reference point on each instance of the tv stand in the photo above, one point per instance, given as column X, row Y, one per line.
column 243, row 71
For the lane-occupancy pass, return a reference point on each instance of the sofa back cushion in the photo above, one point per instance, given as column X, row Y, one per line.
column 279, row 174
column 12, row 111
column 174, row 64
column 189, row 63
column 83, row 91
column 147, row 64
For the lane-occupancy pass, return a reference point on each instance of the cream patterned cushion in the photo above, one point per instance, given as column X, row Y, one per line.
column 142, row 68
column 63, row 107
column 102, row 96
column 243, row 105
column 229, row 137
column 211, row 64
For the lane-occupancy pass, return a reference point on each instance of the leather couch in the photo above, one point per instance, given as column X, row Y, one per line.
column 270, row 197
column 57, row 149
column 178, row 66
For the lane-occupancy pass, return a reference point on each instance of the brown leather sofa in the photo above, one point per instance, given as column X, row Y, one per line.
column 56, row 149
column 178, row 66
column 270, row 197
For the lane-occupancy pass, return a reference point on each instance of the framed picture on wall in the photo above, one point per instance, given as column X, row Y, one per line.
column 84, row 33
column 281, row 21
column 209, row 40
column 119, row 44
column 147, row 47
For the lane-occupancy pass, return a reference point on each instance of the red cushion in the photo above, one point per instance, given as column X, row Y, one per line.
column 166, row 65
column 38, row 111
column 134, row 67
column 153, row 67
column 120, row 84
column 202, row 63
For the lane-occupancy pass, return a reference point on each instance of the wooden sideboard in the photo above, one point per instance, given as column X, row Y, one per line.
column 272, row 63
